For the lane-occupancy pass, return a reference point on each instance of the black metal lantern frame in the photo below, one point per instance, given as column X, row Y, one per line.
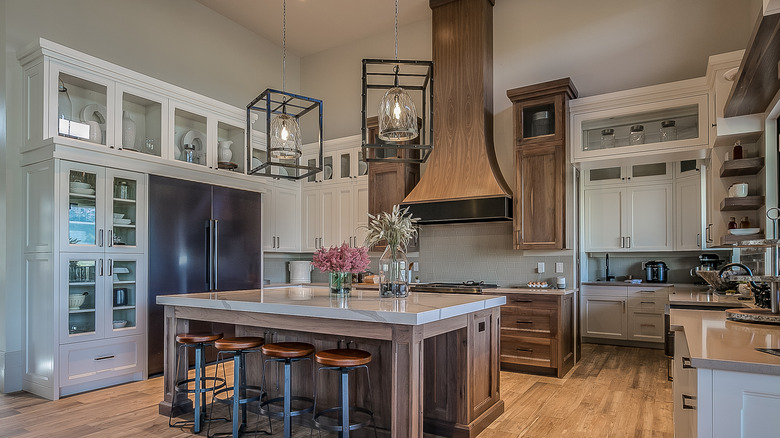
column 273, row 102
column 382, row 75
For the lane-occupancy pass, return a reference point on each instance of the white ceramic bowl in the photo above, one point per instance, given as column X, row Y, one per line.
column 80, row 185
column 119, row 215
column 75, row 301
column 744, row 231
column 120, row 323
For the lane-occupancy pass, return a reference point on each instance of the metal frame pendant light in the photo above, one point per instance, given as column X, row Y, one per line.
column 284, row 141
column 397, row 117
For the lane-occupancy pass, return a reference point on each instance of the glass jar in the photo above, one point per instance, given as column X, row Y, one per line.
column 393, row 271
column 64, row 105
column 189, row 153
column 732, row 223
column 736, row 153
column 123, row 190
column 668, row 130
column 607, row 138
column 541, row 123
column 636, row 135
column 745, row 222
column 340, row 283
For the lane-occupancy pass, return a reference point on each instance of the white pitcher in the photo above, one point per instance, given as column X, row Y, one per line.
column 224, row 154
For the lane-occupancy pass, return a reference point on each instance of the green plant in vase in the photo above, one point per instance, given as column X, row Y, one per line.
column 397, row 228
column 340, row 263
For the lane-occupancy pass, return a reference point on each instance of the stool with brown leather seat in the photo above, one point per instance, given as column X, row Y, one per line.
column 198, row 342
column 240, row 394
column 287, row 353
column 342, row 360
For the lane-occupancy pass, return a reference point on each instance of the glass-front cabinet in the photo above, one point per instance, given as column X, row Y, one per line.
column 101, row 296
column 676, row 124
column 338, row 166
column 230, row 147
column 141, row 121
column 105, row 209
column 190, row 143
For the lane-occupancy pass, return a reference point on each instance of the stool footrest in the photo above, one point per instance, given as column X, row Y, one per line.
column 339, row 428
column 229, row 400
column 280, row 414
column 183, row 385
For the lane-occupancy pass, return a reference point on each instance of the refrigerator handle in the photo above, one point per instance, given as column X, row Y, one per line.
column 209, row 254
column 215, row 257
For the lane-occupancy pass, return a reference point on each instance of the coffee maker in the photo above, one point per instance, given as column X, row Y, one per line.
column 707, row 262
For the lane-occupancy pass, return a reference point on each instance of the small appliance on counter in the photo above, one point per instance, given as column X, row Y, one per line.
column 708, row 262
column 300, row 271
column 655, row 271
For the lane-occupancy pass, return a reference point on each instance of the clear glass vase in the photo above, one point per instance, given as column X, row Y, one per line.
column 340, row 283
column 393, row 272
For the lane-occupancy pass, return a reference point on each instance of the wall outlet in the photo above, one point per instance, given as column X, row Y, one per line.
column 559, row 267
column 540, row 267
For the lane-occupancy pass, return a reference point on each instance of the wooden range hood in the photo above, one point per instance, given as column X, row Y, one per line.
column 462, row 181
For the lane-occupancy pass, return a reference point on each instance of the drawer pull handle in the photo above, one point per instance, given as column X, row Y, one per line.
column 685, row 399
column 646, row 291
column 525, row 322
column 529, row 350
column 686, row 363
column 647, row 325
column 524, row 301
column 104, row 357
column 647, row 302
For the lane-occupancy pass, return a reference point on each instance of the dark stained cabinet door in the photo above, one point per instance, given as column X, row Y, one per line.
column 540, row 197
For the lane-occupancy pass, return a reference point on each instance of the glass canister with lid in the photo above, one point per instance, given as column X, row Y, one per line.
column 636, row 135
column 668, row 130
column 607, row 138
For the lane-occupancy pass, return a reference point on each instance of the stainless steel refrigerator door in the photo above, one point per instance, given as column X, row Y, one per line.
column 178, row 246
column 238, row 239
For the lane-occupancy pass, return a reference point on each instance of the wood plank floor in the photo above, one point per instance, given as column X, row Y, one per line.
column 612, row 392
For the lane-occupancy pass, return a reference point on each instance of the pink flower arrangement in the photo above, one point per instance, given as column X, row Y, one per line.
column 341, row 259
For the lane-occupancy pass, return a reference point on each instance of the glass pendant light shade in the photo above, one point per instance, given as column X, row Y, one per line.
column 397, row 116
column 285, row 137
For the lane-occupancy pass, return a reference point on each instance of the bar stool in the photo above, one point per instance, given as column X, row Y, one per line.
column 343, row 360
column 287, row 353
column 198, row 342
column 237, row 396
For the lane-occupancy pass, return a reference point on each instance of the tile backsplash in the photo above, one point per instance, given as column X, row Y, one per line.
column 622, row 265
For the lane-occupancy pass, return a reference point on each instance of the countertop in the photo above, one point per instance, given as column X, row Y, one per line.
column 491, row 291
column 361, row 305
column 716, row 343
column 689, row 286
column 704, row 299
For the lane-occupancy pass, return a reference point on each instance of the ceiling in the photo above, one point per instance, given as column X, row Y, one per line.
column 317, row 25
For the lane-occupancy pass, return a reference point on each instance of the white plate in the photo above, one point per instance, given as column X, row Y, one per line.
column 327, row 171
column 121, row 270
column 82, row 191
column 362, row 167
column 195, row 138
column 122, row 221
column 94, row 113
column 744, row 231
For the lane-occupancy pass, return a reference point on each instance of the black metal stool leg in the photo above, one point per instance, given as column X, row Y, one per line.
column 344, row 400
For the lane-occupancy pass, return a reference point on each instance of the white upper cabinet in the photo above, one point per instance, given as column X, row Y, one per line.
column 641, row 122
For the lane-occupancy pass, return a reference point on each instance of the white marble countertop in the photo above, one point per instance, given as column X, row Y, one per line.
column 361, row 305
column 716, row 343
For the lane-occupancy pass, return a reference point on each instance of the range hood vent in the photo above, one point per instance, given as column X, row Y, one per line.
column 462, row 181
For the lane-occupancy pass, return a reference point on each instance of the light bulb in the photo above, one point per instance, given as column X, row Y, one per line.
column 397, row 109
column 285, row 133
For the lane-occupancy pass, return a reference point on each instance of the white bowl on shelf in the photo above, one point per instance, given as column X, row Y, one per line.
column 744, row 231
column 75, row 301
column 120, row 323
column 80, row 185
column 118, row 216
column 81, row 191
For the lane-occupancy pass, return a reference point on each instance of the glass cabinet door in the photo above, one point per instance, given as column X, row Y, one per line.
column 124, row 212
column 124, row 295
column 81, row 298
column 230, row 147
column 190, row 143
column 345, row 165
column 141, row 122
column 83, row 226
column 82, row 106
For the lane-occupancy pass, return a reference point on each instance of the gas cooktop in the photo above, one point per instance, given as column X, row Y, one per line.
column 466, row 287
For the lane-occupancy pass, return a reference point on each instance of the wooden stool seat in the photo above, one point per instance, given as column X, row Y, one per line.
column 239, row 343
column 288, row 350
column 343, row 357
column 197, row 338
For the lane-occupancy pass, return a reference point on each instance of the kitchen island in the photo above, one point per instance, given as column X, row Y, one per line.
column 436, row 358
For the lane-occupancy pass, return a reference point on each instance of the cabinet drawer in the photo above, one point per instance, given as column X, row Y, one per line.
column 649, row 292
column 538, row 321
column 93, row 360
column 527, row 351
column 531, row 301
column 605, row 291
column 648, row 303
column 646, row 326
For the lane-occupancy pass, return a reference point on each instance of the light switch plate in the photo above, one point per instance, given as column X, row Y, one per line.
column 559, row 267
column 540, row 267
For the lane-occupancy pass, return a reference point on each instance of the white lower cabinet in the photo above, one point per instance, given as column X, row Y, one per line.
column 684, row 389
column 282, row 217
column 623, row 313
column 83, row 363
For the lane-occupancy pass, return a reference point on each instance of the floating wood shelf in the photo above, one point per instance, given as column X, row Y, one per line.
column 744, row 203
column 744, row 166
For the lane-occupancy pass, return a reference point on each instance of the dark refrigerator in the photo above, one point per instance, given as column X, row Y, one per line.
column 201, row 238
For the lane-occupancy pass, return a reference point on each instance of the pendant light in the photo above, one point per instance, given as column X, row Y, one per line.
column 397, row 115
column 285, row 131
column 400, row 131
column 283, row 113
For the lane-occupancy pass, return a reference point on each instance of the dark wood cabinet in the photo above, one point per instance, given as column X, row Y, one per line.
column 540, row 163
column 388, row 182
column 537, row 332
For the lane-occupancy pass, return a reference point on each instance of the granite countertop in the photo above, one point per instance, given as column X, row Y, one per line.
column 683, row 297
column 716, row 343
column 702, row 287
column 361, row 305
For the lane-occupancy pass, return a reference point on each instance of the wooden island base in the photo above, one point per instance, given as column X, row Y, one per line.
column 447, row 369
